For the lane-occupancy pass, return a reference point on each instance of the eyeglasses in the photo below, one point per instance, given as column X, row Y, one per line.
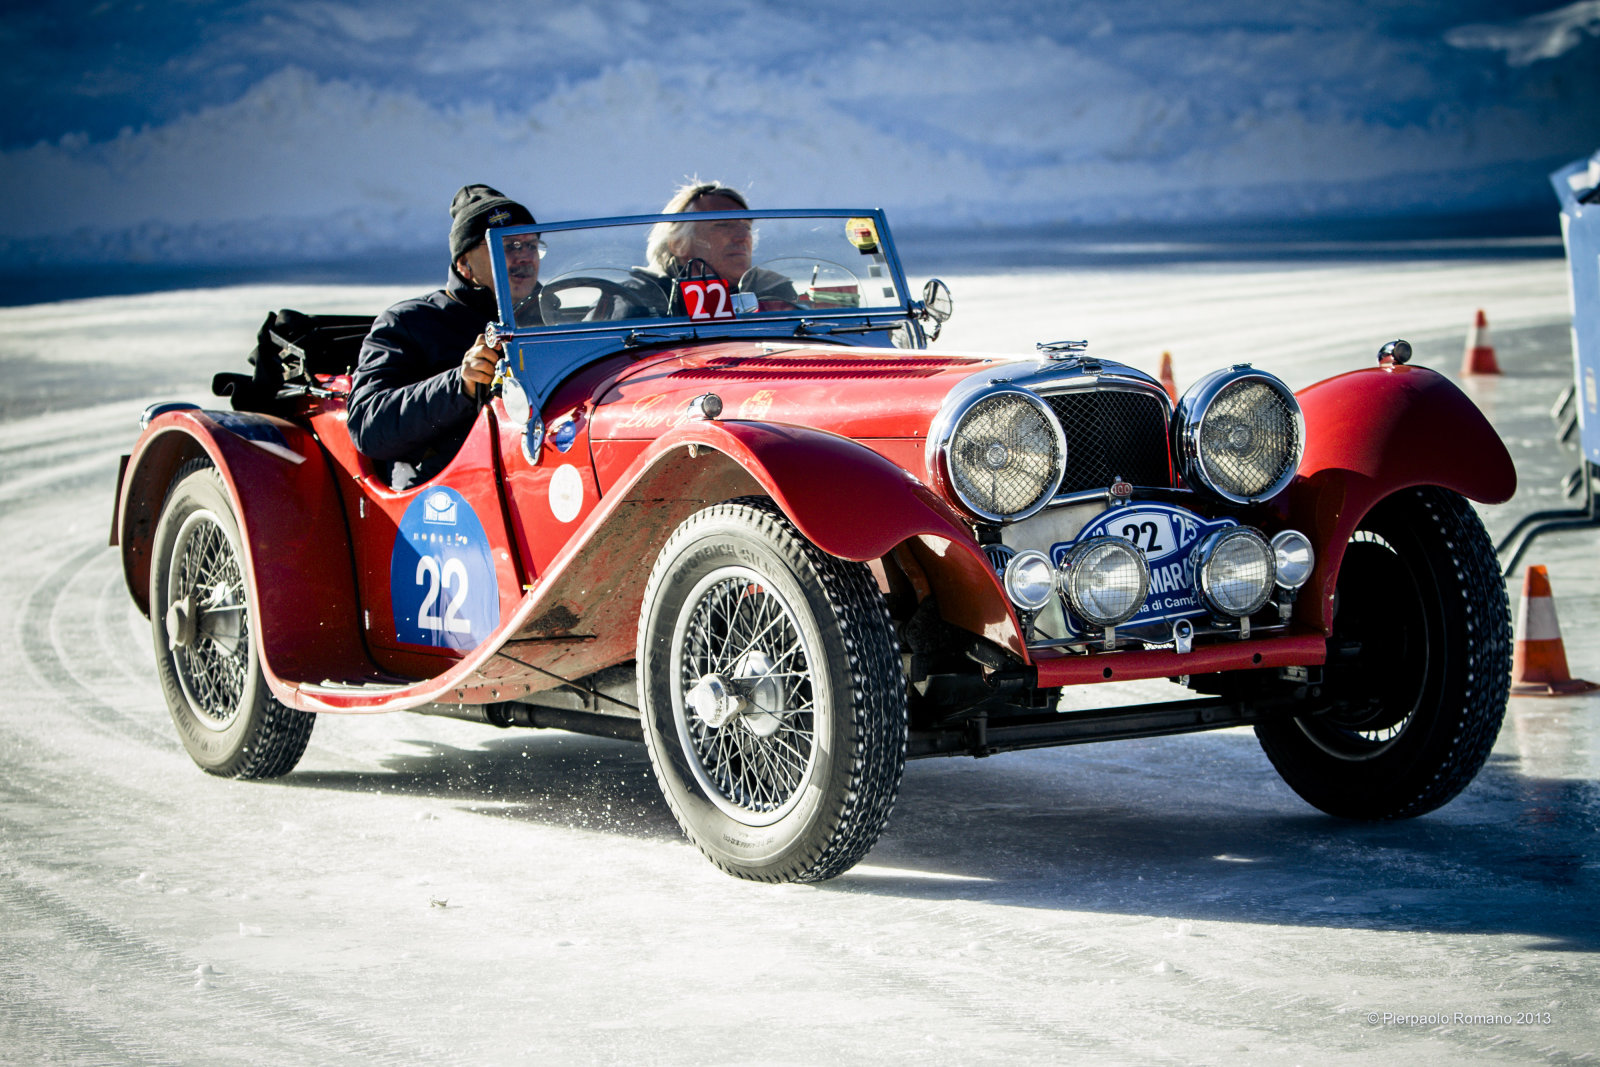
column 527, row 244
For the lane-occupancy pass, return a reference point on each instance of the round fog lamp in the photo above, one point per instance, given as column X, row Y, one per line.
column 1236, row 571
column 1030, row 580
column 1106, row 579
column 1292, row 554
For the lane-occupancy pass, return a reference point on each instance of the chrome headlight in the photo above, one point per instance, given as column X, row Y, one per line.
column 1105, row 579
column 1005, row 456
column 1235, row 570
column 1239, row 433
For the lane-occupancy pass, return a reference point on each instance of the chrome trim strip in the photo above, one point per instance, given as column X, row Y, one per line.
column 161, row 407
column 1124, row 640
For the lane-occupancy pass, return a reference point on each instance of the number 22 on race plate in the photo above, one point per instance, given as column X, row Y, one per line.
column 706, row 298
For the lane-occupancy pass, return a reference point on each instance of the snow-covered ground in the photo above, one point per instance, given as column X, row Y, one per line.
column 244, row 130
column 422, row 890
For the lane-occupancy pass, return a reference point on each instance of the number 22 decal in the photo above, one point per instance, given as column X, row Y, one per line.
column 706, row 299
column 1133, row 531
column 434, row 579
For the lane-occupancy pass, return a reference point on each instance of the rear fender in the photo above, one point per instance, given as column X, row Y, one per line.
column 296, row 541
column 1372, row 433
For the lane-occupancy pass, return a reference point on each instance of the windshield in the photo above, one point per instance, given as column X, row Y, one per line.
column 700, row 267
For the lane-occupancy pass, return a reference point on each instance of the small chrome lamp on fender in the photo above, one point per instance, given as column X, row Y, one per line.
column 519, row 410
column 1293, row 558
column 1029, row 579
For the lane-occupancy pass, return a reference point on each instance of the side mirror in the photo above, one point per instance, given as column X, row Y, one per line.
column 937, row 306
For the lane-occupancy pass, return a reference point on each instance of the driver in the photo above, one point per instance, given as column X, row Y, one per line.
column 425, row 364
column 726, row 246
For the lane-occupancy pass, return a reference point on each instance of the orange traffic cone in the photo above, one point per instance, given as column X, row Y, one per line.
column 1167, row 380
column 1479, row 356
column 1539, row 659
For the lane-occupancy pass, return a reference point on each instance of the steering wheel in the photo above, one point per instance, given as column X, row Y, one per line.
column 611, row 295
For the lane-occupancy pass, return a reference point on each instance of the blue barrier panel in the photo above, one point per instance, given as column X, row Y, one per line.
column 1578, row 188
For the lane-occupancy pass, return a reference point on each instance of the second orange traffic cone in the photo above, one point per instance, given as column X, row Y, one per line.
column 1479, row 356
column 1539, row 658
column 1167, row 380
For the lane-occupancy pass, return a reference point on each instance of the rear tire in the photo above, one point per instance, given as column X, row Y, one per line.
column 201, row 618
column 798, row 785
column 1419, row 666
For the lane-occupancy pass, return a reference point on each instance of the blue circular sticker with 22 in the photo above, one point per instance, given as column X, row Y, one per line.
column 441, row 576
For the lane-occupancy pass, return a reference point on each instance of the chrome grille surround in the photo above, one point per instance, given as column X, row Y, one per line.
column 1063, row 387
column 1114, row 429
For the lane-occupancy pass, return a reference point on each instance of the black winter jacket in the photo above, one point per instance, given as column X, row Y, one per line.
column 408, row 405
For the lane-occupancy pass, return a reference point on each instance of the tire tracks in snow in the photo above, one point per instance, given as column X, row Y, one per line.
column 36, row 630
column 135, row 976
column 1201, row 1002
column 31, row 1016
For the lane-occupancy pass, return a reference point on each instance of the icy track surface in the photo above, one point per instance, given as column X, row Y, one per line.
column 426, row 891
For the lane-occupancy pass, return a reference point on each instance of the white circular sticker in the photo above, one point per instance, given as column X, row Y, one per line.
column 566, row 493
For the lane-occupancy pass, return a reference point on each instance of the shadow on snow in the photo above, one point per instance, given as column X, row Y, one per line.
column 1196, row 828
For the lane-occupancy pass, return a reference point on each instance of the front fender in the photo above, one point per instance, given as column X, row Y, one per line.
column 297, row 554
column 842, row 496
column 1371, row 433
column 847, row 499
column 853, row 503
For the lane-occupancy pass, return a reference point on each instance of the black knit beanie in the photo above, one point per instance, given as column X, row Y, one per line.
column 475, row 209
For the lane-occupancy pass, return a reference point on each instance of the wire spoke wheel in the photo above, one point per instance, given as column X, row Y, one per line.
column 772, row 695
column 212, row 658
column 735, row 627
column 201, row 624
column 1384, row 619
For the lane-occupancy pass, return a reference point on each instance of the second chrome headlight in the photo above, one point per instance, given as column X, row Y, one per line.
column 1005, row 456
column 1239, row 433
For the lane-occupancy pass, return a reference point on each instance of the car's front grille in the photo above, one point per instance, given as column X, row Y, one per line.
column 1112, row 432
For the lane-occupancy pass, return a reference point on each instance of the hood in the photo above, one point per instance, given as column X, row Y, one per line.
column 860, row 393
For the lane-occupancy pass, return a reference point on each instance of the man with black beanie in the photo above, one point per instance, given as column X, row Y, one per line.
column 422, row 366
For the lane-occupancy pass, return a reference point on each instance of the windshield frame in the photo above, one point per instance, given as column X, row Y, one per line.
column 800, row 322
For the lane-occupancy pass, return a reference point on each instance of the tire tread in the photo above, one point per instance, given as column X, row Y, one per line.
column 1473, row 705
column 281, row 734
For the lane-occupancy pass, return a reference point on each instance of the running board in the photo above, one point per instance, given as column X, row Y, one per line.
column 982, row 736
column 509, row 713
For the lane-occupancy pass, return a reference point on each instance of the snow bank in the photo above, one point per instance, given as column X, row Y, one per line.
column 286, row 131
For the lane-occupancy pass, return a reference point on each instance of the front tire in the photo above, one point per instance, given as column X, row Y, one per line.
column 201, row 620
column 1419, row 666
column 791, row 773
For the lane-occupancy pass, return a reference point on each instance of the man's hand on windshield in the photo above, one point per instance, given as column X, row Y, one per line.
column 477, row 366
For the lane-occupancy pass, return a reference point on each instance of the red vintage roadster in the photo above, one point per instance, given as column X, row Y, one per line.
column 756, row 524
